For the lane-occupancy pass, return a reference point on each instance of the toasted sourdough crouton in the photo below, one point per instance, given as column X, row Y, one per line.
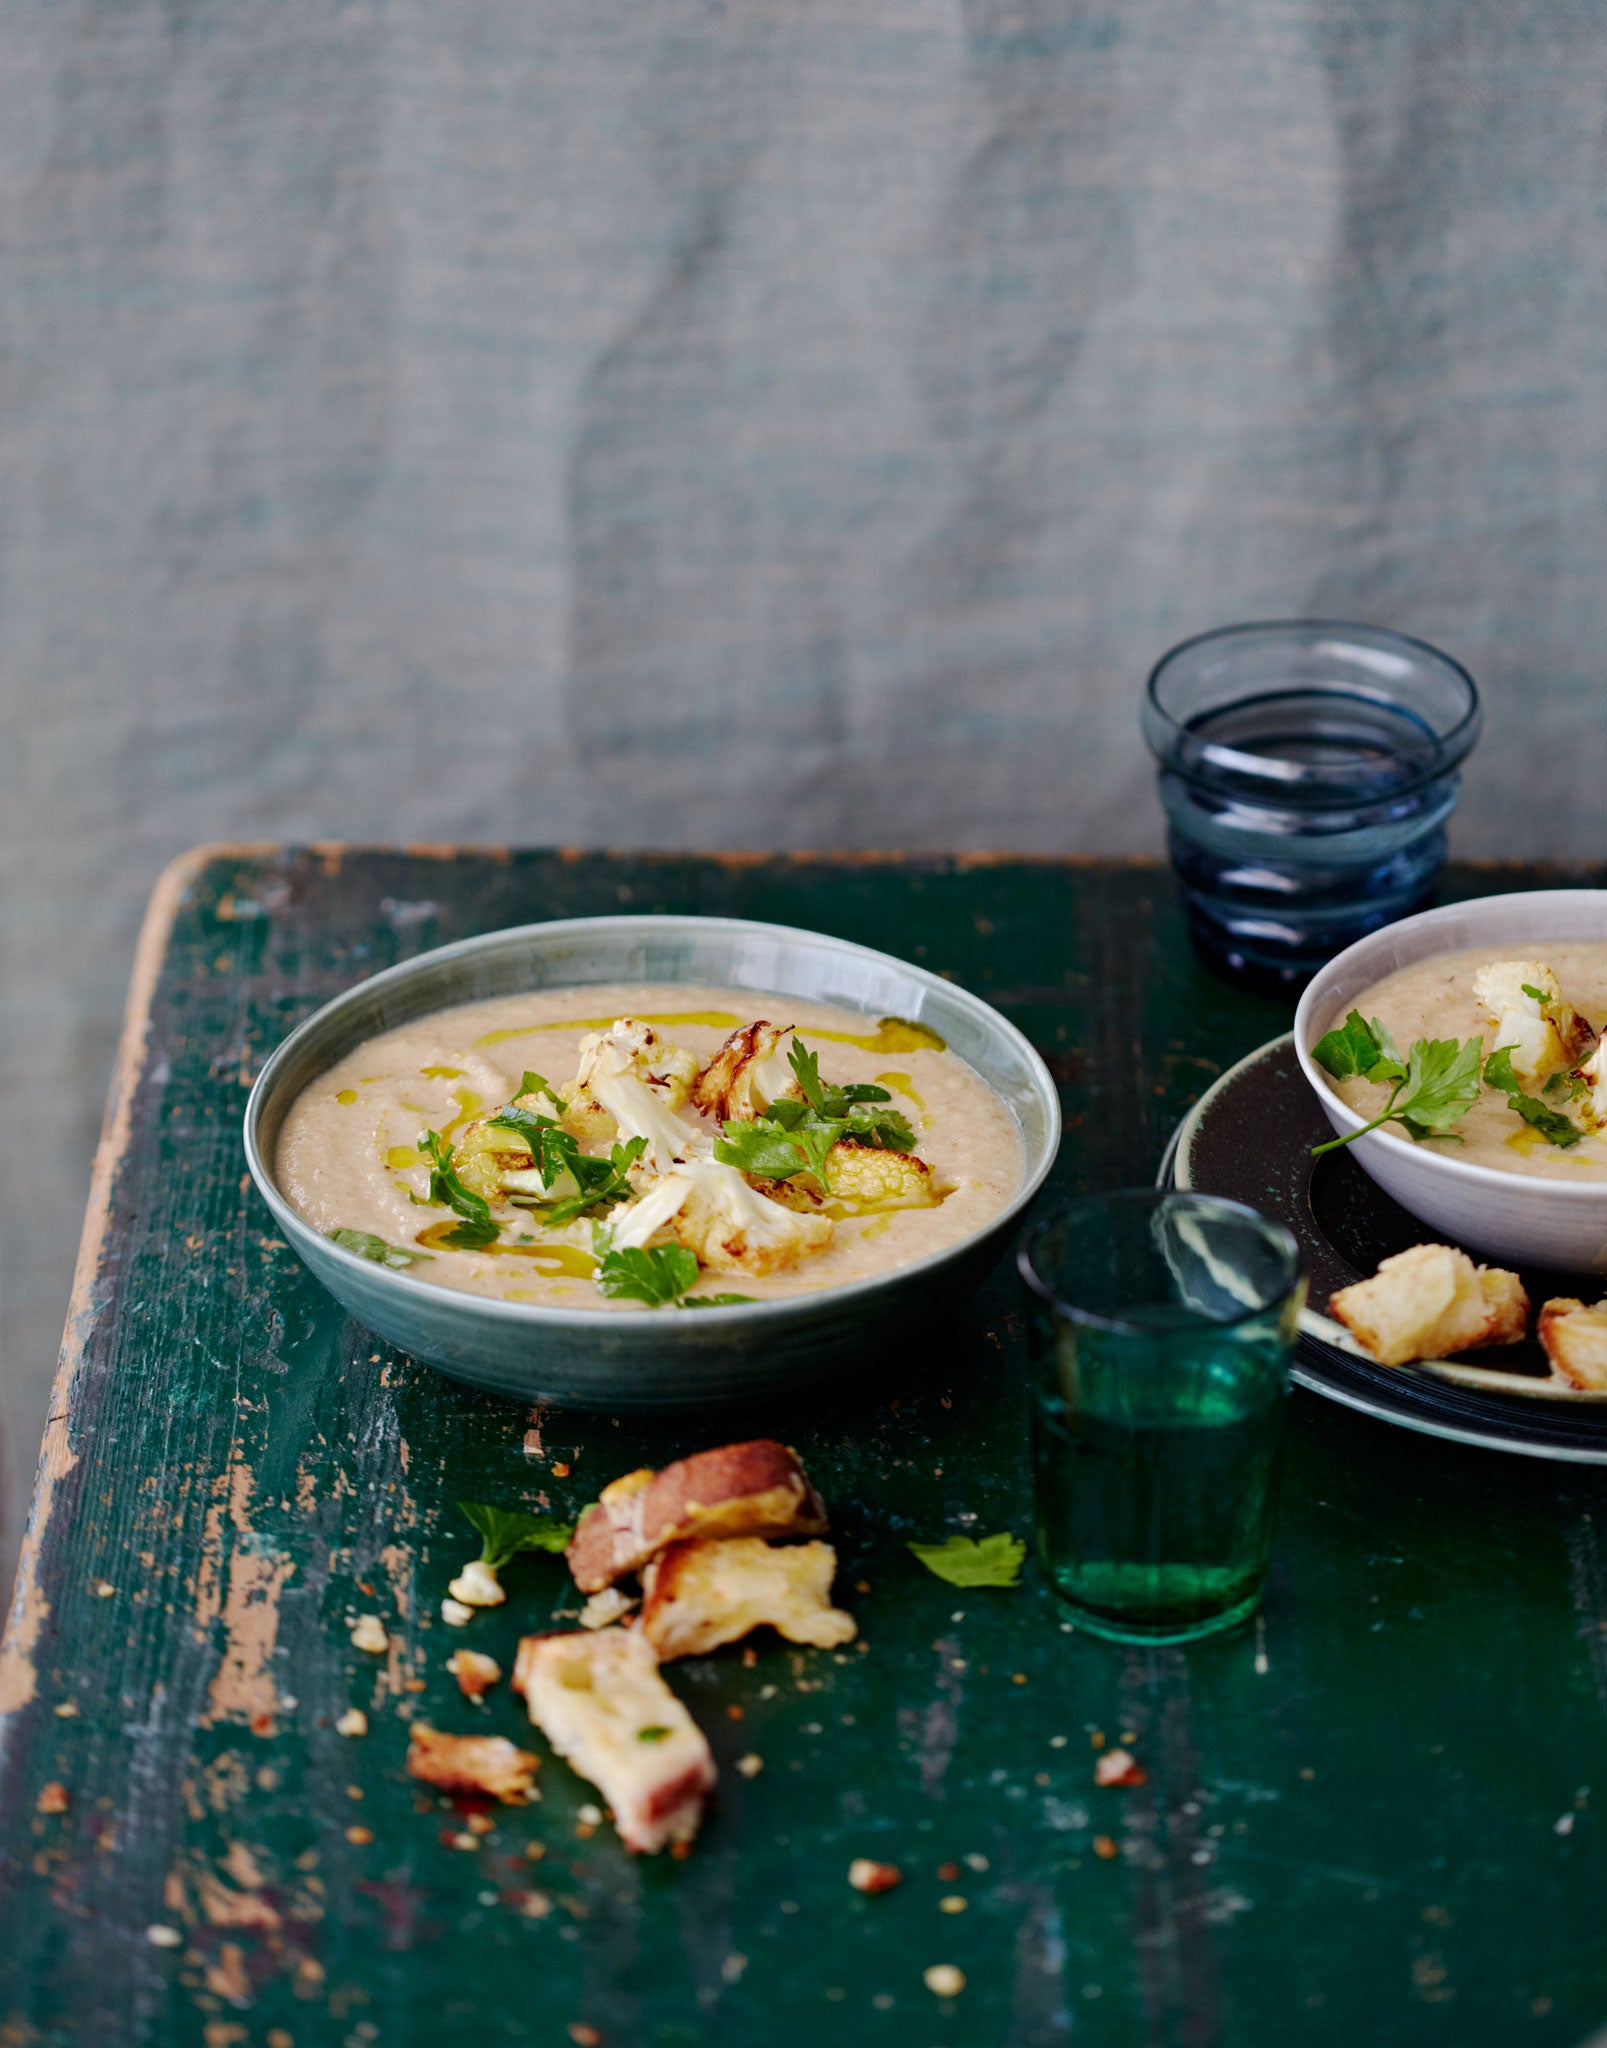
column 1508, row 1299
column 471, row 1763
column 599, row 1700
column 1575, row 1340
column 697, row 1596
column 751, row 1489
column 1430, row 1301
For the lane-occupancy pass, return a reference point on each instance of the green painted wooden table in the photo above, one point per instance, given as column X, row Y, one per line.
column 1368, row 1820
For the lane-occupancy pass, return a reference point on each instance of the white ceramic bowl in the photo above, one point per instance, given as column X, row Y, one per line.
column 1557, row 1224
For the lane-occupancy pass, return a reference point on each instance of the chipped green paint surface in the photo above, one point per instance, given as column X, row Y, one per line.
column 1367, row 1821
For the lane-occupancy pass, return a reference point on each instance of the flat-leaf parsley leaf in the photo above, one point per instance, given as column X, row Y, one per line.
column 446, row 1190
column 1552, row 1125
column 504, row 1532
column 1435, row 1089
column 793, row 1137
column 659, row 1276
column 367, row 1246
column 973, row 1561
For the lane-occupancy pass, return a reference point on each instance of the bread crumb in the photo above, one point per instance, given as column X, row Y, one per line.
column 475, row 1672
column 471, row 1763
column 67, row 1710
column 353, row 1722
column 944, row 1980
column 52, row 1798
column 369, row 1633
column 605, row 1608
column 360, row 1836
column 455, row 1614
column 748, row 1766
column 868, row 1876
column 477, row 1585
column 1105, row 1848
column 160, row 1936
column 1117, row 1767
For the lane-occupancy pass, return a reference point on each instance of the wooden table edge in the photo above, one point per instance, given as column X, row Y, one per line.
column 30, row 1608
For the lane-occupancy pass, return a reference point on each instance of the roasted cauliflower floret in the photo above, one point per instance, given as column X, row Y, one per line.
column 749, row 1072
column 485, row 1155
column 715, row 1214
column 1544, row 1031
column 791, row 1194
column 490, row 1159
column 631, row 1082
column 873, row 1178
column 1595, row 1072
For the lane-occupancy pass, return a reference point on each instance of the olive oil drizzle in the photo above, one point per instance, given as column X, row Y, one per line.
column 552, row 1259
column 892, row 1034
column 469, row 1107
column 716, row 1020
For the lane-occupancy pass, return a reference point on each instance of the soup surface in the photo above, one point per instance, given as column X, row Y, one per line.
column 348, row 1158
column 1434, row 999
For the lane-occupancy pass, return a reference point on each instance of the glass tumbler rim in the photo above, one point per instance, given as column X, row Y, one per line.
column 1276, row 1233
column 1169, row 739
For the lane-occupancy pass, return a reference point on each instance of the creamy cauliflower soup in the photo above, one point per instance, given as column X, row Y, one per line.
column 1548, row 1008
column 630, row 1146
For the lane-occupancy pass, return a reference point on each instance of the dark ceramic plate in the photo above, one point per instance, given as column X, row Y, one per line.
column 1250, row 1136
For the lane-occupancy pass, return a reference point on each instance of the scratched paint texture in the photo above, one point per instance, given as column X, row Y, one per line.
column 1371, row 1819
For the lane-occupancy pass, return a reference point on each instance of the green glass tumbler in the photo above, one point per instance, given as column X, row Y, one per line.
column 1163, row 1329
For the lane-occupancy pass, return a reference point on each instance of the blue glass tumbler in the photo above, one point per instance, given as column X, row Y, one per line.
column 1307, row 769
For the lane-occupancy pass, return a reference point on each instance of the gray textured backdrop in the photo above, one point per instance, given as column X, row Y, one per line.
column 767, row 424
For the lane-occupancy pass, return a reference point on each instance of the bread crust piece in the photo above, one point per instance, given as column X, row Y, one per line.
column 697, row 1596
column 1574, row 1339
column 749, row 1489
column 471, row 1763
column 599, row 1700
column 1430, row 1301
